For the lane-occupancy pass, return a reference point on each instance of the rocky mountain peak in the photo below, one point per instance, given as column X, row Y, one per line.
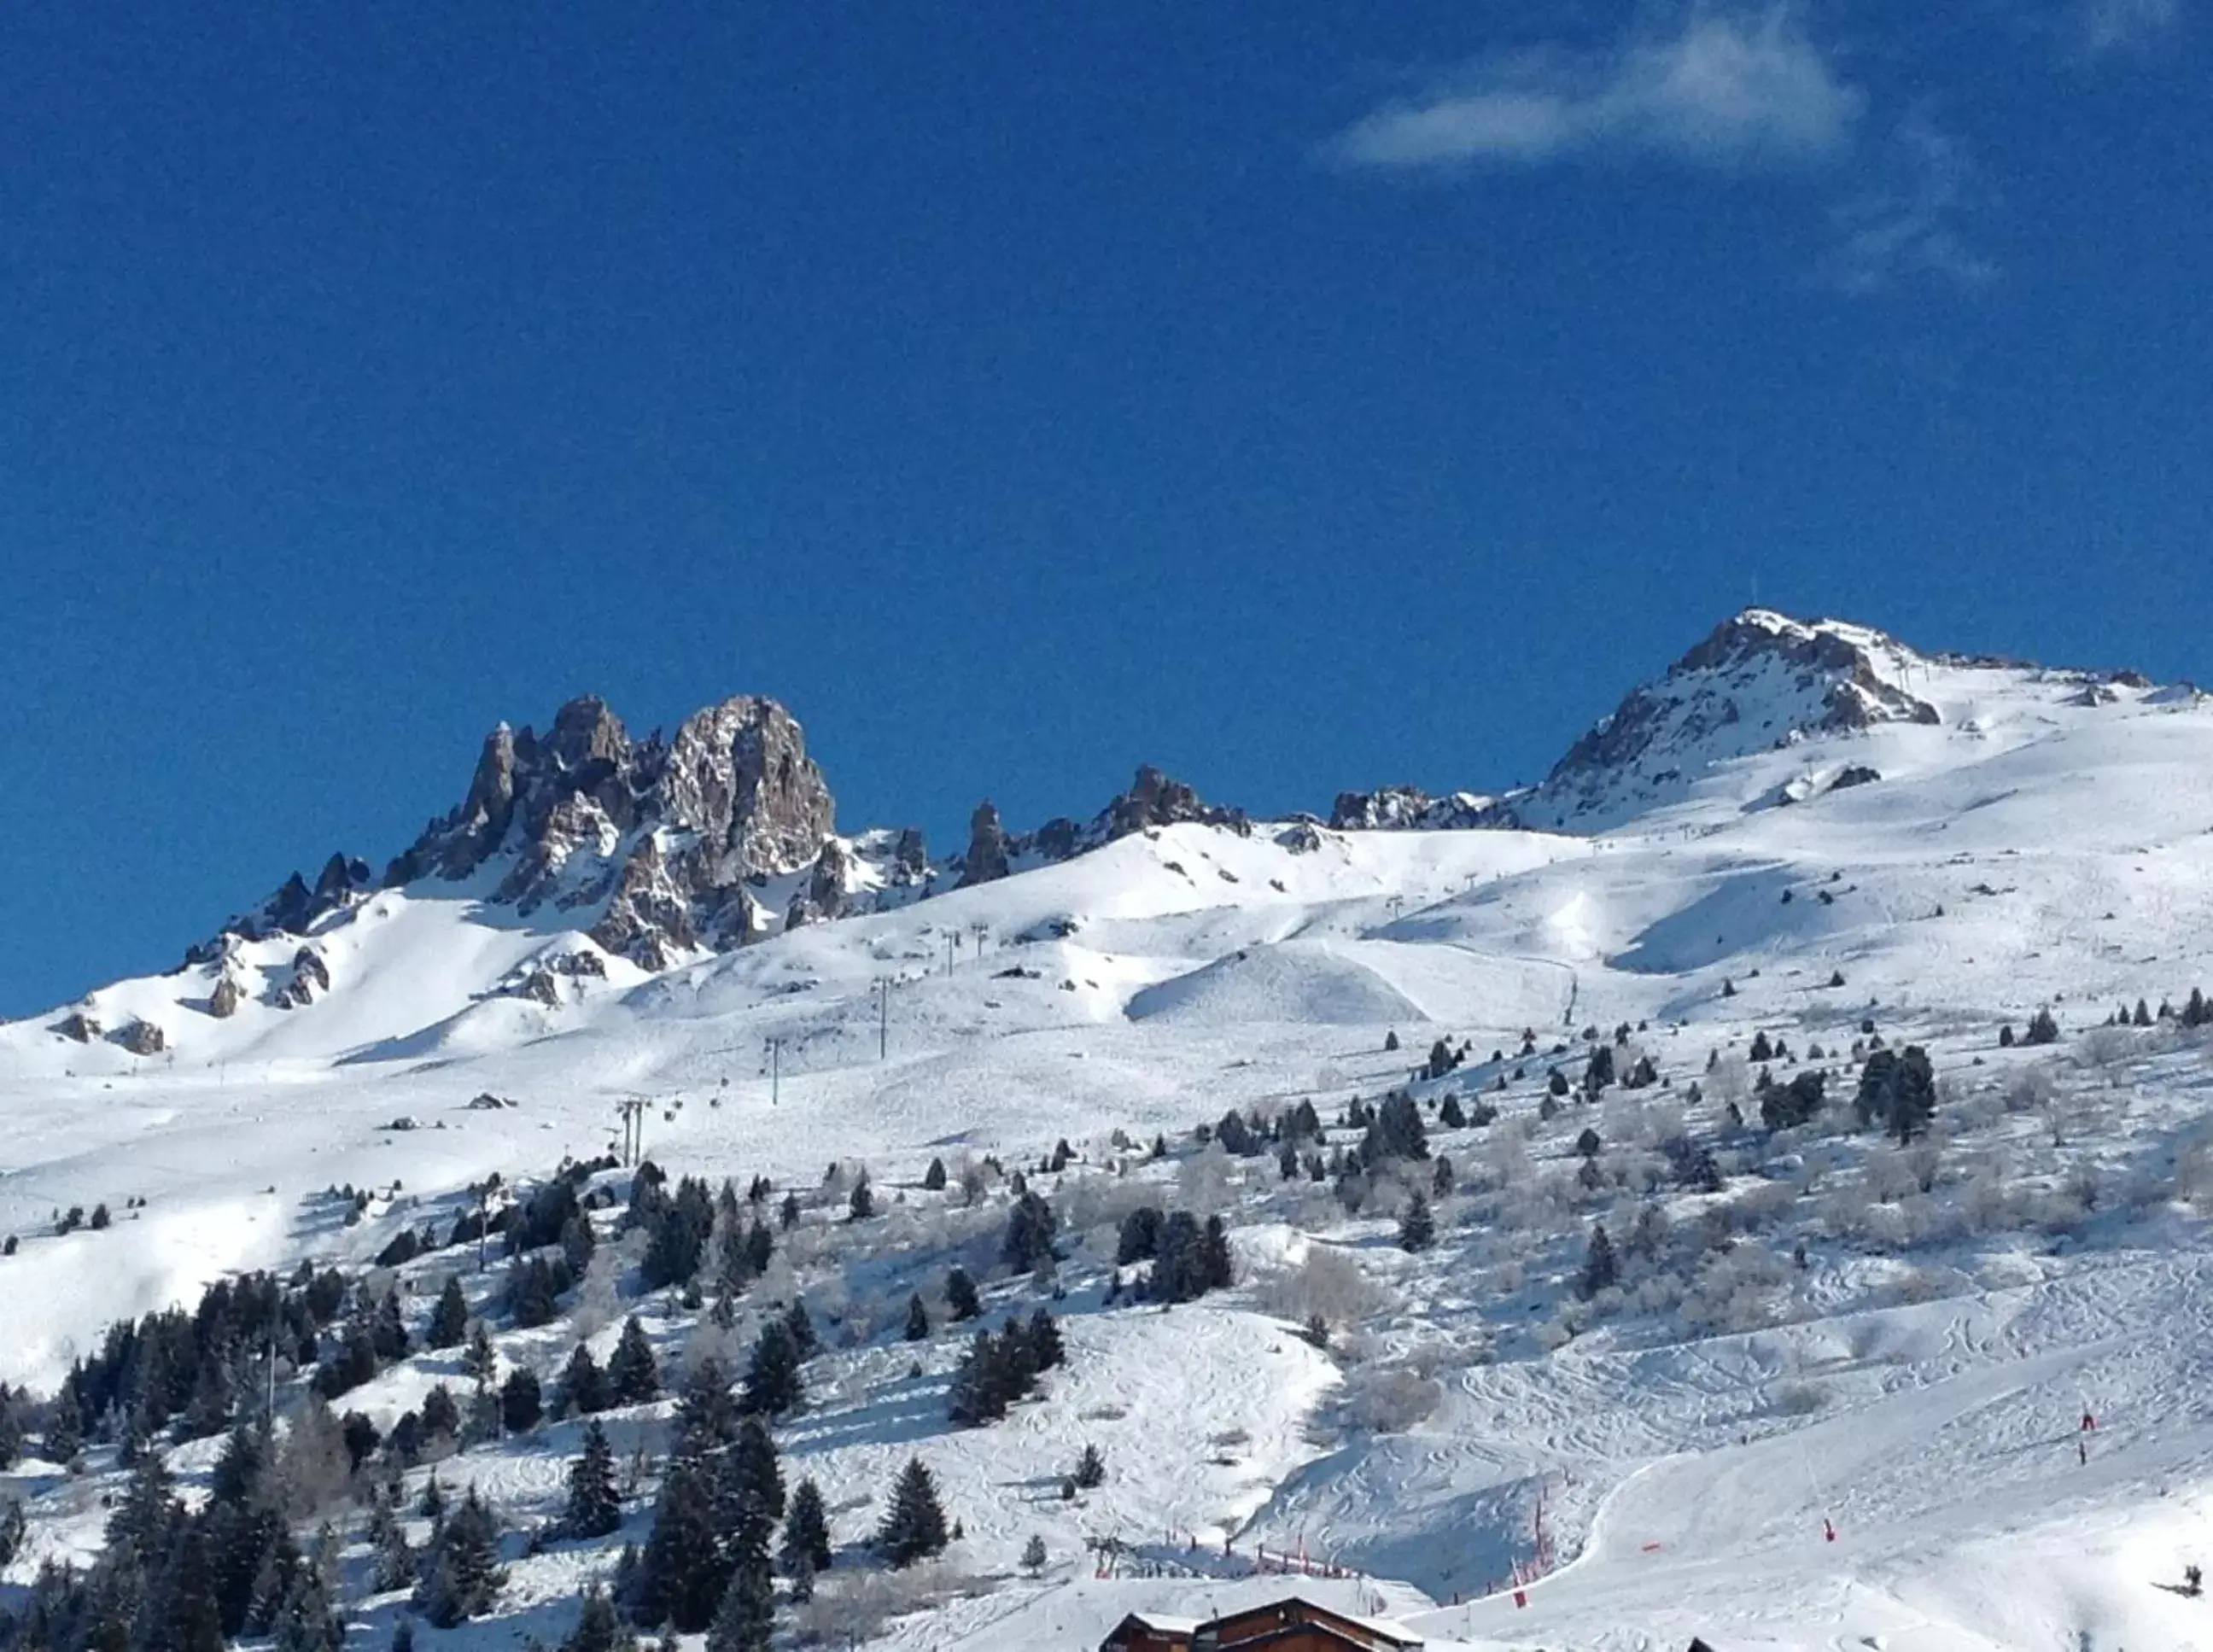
column 1761, row 680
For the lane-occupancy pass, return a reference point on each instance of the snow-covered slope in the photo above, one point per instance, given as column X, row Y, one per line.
column 1800, row 829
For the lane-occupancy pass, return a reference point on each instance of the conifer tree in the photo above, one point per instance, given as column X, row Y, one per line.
column 1600, row 1268
column 961, row 1301
column 521, row 1402
column 599, row 1628
column 917, row 1320
column 747, row 1617
column 594, row 1507
column 803, row 1338
column 1030, row 1228
column 772, row 1383
column 1090, row 1468
column 1045, row 1348
column 1418, row 1228
column 681, row 1574
column 462, row 1578
column 180, row 1613
column 480, row 1360
column 933, row 1179
column 632, row 1376
column 914, row 1524
column 583, row 1384
column 806, row 1530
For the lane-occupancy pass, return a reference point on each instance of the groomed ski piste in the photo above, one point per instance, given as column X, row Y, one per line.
column 1841, row 1402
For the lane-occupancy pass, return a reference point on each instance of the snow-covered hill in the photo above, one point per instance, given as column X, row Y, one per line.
column 1800, row 830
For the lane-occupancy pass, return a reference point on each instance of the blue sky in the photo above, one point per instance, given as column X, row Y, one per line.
column 1300, row 396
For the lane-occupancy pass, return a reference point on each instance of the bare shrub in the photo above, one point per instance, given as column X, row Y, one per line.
column 2101, row 1047
column 1328, row 1282
column 1389, row 1399
column 853, row 1607
column 2030, row 1089
column 1798, row 1399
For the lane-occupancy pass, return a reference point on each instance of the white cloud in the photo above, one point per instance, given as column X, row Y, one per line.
column 2123, row 25
column 1911, row 230
column 1726, row 89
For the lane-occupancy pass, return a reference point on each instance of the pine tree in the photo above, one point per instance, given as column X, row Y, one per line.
column 961, row 1301
column 1030, row 1228
column 583, row 1385
column 520, row 1403
column 1600, row 1268
column 1217, row 1268
column 479, row 1361
column 706, row 1421
column 11, row 1532
column 681, row 1574
column 803, row 1338
column 914, row 1526
column 594, row 1508
column 462, row 1579
column 633, row 1377
column 181, row 1613
column 772, row 1383
column 752, row 1480
column 917, row 1320
column 599, row 1628
column 806, row 1531
column 1045, row 1348
column 933, row 1179
column 1418, row 1228
column 1033, row 1555
column 747, row 1617
column 140, row 1523
column 395, row 1559
column 1090, row 1468
column 863, row 1205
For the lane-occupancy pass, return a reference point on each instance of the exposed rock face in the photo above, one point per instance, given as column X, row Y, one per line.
column 78, row 1026
column 661, row 838
column 986, row 861
column 1409, row 808
column 294, row 909
column 310, row 975
column 823, row 894
column 1154, row 801
column 142, row 1038
column 223, row 1001
column 1761, row 680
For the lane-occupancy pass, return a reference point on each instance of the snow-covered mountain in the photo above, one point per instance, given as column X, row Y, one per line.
column 1799, row 832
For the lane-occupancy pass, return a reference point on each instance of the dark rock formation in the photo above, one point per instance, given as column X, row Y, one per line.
column 78, row 1026
column 986, row 861
column 1855, row 774
column 823, row 896
column 223, row 1001
column 1409, row 808
column 661, row 838
column 142, row 1038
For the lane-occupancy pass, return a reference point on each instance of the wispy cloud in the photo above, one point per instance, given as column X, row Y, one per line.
column 1725, row 90
column 1911, row 230
column 2106, row 26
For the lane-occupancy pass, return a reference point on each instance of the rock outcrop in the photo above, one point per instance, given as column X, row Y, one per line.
column 1409, row 808
column 1153, row 802
column 79, row 1028
column 1761, row 681
column 987, row 859
column 661, row 838
column 223, row 1001
column 142, row 1038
